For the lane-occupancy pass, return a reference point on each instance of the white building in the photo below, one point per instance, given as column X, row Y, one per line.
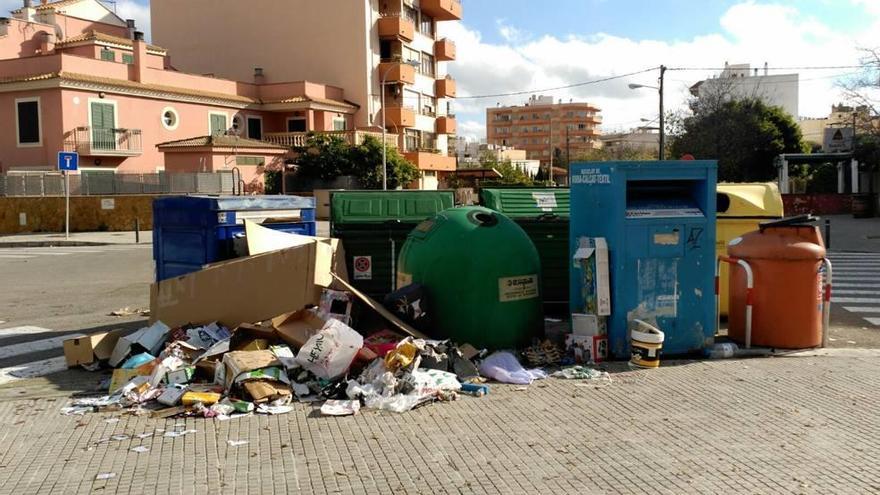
column 742, row 81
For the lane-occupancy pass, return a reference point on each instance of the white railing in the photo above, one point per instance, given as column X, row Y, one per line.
column 299, row 139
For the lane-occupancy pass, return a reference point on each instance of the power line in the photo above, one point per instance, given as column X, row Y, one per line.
column 829, row 67
column 569, row 86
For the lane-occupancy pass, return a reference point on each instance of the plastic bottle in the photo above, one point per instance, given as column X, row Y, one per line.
column 723, row 350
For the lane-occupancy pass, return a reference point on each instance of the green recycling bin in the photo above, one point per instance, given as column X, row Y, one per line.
column 373, row 225
column 544, row 215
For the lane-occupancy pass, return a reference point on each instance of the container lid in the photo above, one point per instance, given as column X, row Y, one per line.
column 749, row 200
column 379, row 207
column 528, row 202
column 802, row 242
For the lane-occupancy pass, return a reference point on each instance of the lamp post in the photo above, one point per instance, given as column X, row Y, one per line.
column 662, row 154
column 413, row 63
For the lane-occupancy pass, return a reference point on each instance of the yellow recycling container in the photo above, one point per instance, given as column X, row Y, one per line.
column 741, row 208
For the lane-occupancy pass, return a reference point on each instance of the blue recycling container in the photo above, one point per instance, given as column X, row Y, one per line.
column 192, row 231
column 658, row 219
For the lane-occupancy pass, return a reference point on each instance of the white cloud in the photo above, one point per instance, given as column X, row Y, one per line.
column 130, row 9
column 510, row 33
column 750, row 33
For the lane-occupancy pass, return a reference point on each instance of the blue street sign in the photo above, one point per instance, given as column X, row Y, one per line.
column 68, row 161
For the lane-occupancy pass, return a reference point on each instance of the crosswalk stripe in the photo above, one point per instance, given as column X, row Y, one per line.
column 32, row 370
column 9, row 351
column 856, row 285
column 874, row 321
column 6, row 333
column 855, row 300
column 846, row 292
column 862, row 309
column 15, row 257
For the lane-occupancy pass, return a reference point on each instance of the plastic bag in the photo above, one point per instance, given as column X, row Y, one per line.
column 503, row 367
column 329, row 353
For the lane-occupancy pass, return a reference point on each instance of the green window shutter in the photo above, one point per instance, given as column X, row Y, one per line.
column 218, row 124
column 103, row 123
column 108, row 55
column 127, row 59
column 249, row 160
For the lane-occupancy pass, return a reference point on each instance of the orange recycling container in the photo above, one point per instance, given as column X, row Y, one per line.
column 787, row 294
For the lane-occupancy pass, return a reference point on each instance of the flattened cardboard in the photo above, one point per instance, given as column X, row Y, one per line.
column 265, row 390
column 295, row 329
column 238, row 362
column 244, row 290
column 86, row 349
column 378, row 308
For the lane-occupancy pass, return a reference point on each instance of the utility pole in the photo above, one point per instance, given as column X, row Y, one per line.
column 662, row 154
column 550, row 171
column 567, row 150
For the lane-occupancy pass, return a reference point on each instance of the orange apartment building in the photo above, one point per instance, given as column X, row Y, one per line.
column 541, row 127
column 350, row 44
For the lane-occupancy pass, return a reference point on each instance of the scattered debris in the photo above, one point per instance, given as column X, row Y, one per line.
column 105, row 476
column 340, row 407
column 140, row 449
column 504, row 367
column 236, row 443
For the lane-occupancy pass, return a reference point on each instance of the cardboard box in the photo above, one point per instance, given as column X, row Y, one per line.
column 246, row 290
column 297, row 328
column 151, row 339
column 238, row 362
column 592, row 256
column 588, row 349
column 86, row 349
column 180, row 376
column 587, row 325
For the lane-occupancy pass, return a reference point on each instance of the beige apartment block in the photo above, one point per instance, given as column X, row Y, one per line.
column 544, row 128
column 351, row 44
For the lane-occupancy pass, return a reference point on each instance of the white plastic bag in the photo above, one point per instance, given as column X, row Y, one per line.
column 329, row 353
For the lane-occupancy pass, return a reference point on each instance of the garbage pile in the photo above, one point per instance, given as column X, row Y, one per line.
column 307, row 356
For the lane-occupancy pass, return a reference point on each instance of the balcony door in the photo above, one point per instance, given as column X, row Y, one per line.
column 103, row 122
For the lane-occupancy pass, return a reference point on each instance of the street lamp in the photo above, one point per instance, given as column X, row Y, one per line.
column 659, row 89
column 414, row 63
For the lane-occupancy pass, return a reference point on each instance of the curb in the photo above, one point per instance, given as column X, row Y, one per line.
column 20, row 244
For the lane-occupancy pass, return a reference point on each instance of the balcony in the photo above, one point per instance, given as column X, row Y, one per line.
column 446, row 125
column 399, row 117
column 426, row 160
column 396, row 27
column 298, row 139
column 88, row 141
column 444, row 50
column 397, row 72
column 444, row 88
column 442, row 10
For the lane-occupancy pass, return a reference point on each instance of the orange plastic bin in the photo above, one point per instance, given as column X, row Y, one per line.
column 787, row 298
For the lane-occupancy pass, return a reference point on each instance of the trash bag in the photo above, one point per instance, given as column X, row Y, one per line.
column 329, row 353
column 503, row 367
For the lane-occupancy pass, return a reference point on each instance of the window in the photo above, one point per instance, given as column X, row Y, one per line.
column 27, row 122
column 102, row 119
column 411, row 14
column 250, row 160
column 338, row 123
column 429, row 140
column 385, row 49
column 427, row 66
column 255, row 127
column 108, row 55
column 426, row 27
column 217, row 123
column 127, row 58
column 581, row 127
column 429, row 104
column 410, row 54
column 411, row 139
column 170, row 119
column 296, row 124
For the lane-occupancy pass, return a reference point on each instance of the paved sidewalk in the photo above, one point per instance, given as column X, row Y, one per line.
column 76, row 239
column 775, row 425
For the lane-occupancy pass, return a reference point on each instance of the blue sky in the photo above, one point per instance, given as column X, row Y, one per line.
column 526, row 45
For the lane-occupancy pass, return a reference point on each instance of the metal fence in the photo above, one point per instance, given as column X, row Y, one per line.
column 103, row 183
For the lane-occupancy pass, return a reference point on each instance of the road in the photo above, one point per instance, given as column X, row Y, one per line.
column 60, row 291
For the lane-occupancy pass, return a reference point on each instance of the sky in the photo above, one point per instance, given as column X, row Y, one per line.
column 506, row 46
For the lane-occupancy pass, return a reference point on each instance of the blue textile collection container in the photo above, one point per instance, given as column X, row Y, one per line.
column 658, row 219
column 192, row 231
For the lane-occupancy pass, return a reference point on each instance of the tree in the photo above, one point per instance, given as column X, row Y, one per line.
column 326, row 157
column 510, row 175
column 622, row 153
column 863, row 91
column 745, row 136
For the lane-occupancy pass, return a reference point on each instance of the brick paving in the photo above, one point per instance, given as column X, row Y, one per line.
column 772, row 425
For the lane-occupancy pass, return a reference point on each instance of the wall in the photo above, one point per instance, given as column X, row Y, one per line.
column 292, row 40
column 11, row 155
column 819, row 204
column 86, row 215
column 22, row 39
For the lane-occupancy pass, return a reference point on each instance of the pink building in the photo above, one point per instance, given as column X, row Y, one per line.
column 75, row 76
